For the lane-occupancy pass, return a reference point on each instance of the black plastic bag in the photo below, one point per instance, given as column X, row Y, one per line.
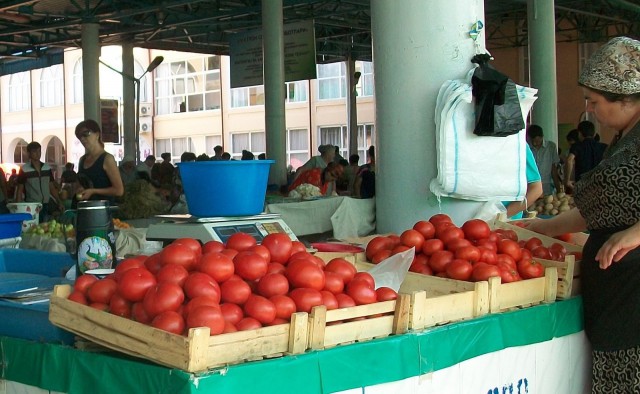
column 497, row 106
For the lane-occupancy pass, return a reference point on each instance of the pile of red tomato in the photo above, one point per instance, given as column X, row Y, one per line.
column 472, row 252
column 240, row 285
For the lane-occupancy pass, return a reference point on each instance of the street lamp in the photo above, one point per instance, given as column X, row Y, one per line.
column 152, row 66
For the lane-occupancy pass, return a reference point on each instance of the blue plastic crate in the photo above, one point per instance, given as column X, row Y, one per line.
column 11, row 224
column 22, row 269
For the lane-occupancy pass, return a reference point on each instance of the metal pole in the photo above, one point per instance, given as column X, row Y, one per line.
column 137, row 131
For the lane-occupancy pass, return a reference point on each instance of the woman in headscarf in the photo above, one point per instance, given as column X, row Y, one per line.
column 327, row 154
column 608, row 205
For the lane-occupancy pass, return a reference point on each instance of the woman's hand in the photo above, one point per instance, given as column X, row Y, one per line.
column 84, row 194
column 618, row 245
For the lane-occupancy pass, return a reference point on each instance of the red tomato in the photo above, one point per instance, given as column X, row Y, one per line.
column 564, row 237
column 199, row 301
column 451, row 233
column 139, row 314
column 457, row 243
column 192, row 243
column 285, row 306
column 305, row 299
column 469, row 253
column 217, row 265
column 333, row 282
column 297, row 246
column 459, row 269
column 279, row 245
column 229, row 327
column 207, row 316
column 273, row 284
column 78, row 296
column 476, row 229
column 134, row 283
column 236, row 291
column 278, row 321
column 558, row 248
column 342, row 267
column 232, row 312
column 240, row 242
column 488, row 256
column 172, row 273
column 230, row 252
column 260, row 308
column 386, row 294
column 162, row 297
column 541, row 252
column 377, row 244
column 262, row 251
column 126, row 265
column 101, row 291
column 169, row 321
column 421, row 268
column 487, row 244
column 506, row 260
column 212, row 246
column 366, row 277
column 306, row 274
column 399, row 249
column 441, row 226
column 426, row 228
column 361, row 292
column 153, row 263
column 329, row 300
column 100, row 306
column 381, row 255
column 510, row 247
column 201, row 284
column 345, row 301
column 439, row 260
column 507, row 234
column 83, row 282
column 532, row 243
column 181, row 254
column 250, row 265
column 248, row 323
column 440, row 217
column 508, row 274
column 394, row 240
column 530, row 269
column 276, row 268
column 431, row 246
column 412, row 238
column 526, row 254
column 483, row 271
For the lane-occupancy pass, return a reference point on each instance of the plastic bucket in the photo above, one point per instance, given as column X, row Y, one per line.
column 11, row 224
column 32, row 208
column 95, row 237
column 225, row 188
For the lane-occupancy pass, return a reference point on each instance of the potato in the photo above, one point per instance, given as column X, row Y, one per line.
column 561, row 195
column 554, row 211
column 548, row 207
column 548, row 198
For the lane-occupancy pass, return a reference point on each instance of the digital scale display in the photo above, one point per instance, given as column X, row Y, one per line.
column 225, row 232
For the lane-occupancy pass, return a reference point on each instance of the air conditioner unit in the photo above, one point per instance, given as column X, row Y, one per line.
column 145, row 125
column 145, row 109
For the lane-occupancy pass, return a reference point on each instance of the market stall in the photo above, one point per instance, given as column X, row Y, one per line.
column 541, row 349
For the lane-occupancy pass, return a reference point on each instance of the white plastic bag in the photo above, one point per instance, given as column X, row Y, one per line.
column 391, row 271
column 489, row 210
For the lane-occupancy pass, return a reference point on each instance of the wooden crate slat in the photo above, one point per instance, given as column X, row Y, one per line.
column 358, row 330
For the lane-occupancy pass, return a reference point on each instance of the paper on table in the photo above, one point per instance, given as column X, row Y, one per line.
column 391, row 271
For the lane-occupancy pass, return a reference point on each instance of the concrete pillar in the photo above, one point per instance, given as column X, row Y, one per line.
column 417, row 46
column 91, row 71
column 352, row 108
column 542, row 65
column 128, row 101
column 274, row 89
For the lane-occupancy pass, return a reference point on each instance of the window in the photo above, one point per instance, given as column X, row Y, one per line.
column 253, row 141
column 247, row 97
column 107, row 87
column 20, row 91
column 20, row 154
column 366, row 138
column 188, row 85
column 296, row 92
column 297, row 147
column 210, row 142
column 51, row 89
column 175, row 146
column 364, row 87
column 332, row 83
column 337, row 136
column 77, row 83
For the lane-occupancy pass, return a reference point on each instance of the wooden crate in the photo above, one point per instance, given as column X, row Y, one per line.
column 435, row 301
column 198, row 351
column 328, row 328
column 523, row 293
column 568, row 270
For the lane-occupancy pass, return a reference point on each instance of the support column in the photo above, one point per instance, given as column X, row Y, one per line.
column 274, row 89
column 128, row 101
column 416, row 48
column 91, row 71
column 352, row 108
column 542, row 65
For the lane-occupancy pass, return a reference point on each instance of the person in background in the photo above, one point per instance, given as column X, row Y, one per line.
column 226, row 156
column 12, row 184
column 584, row 155
column 327, row 153
column 4, row 192
column 546, row 155
column 607, row 205
column 68, row 175
column 162, row 173
column 338, row 157
column 262, row 156
column 128, row 172
column 572, row 138
column 246, row 155
column 217, row 153
column 350, row 172
column 515, row 209
column 146, row 166
column 365, row 183
column 324, row 178
column 177, row 198
column 203, row 157
column 36, row 183
column 97, row 166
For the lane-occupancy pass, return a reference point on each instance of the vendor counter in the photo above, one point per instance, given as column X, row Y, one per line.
column 540, row 349
column 347, row 217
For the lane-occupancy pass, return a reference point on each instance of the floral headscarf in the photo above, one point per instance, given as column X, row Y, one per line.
column 614, row 68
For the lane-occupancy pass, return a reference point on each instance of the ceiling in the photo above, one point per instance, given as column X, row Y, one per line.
column 33, row 29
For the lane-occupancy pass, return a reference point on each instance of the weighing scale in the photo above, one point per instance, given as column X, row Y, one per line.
column 217, row 228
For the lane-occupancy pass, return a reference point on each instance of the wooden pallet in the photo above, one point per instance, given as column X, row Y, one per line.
column 198, row 351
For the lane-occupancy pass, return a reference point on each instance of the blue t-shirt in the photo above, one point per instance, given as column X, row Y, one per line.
column 533, row 175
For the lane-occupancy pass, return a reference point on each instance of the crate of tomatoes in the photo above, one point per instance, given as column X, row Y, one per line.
column 473, row 252
column 195, row 307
